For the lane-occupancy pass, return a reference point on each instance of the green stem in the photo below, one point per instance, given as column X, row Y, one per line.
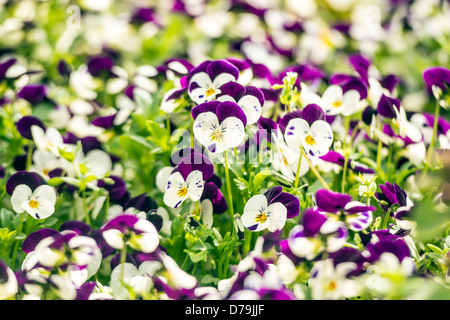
column 16, row 245
column 386, row 219
column 86, row 211
column 230, row 197
column 314, row 170
column 297, row 174
column 433, row 137
column 123, row 258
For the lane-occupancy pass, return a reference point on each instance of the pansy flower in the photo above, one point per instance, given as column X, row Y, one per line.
column 8, row 282
column 357, row 215
column 316, row 234
column 249, row 98
column 330, row 281
column 219, row 126
column 336, row 101
column 310, row 131
column 283, row 158
column 206, row 79
column 437, row 77
column 127, row 229
column 188, row 180
column 270, row 210
column 39, row 203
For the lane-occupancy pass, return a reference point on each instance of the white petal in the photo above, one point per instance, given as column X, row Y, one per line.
column 45, row 192
column 226, row 97
column 204, row 126
column 147, row 241
column 202, row 79
column 44, row 210
column 222, row 78
column 323, row 137
column 195, row 185
column 350, row 103
column 252, row 108
column 277, row 217
column 296, row 131
column 114, row 238
column 172, row 197
column 21, row 194
column 39, row 137
column 162, row 177
column 234, row 132
column 252, row 210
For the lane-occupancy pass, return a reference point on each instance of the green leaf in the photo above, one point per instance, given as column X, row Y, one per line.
column 198, row 256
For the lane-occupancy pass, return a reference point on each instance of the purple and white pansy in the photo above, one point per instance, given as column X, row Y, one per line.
column 250, row 99
column 188, row 179
column 270, row 210
column 310, row 131
column 39, row 203
column 316, row 234
column 357, row 215
column 129, row 230
column 219, row 126
column 205, row 81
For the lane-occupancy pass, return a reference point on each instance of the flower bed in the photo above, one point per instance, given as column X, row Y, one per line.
column 225, row 150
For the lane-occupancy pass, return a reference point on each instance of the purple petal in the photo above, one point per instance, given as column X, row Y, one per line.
column 357, row 85
column 116, row 190
column 4, row 66
column 361, row 65
column 283, row 122
column 389, row 82
column 196, row 161
column 104, row 122
column 221, row 66
column 291, row 203
column 30, row 243
column 312, row 112
column 266, row 127
column 33, row 93
column 330, row 201
column 213, row 193
column 233, row 89
column 122, row 222
column 31, row 179
column 25, row 123
column 437, row 76
column 142, row 202
column 210, row 106
column 228, row 109
column 312, row 221
column 98, row 65
column 79, row 227
column 386, row 106
column 273, row 193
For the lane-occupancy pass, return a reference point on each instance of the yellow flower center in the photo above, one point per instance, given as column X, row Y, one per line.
column 182, row 192
column 217, row 134
column 210, row 92
column 261, row 218
column 337, row 104
column 33, row 204
column 310, row 140
column 332, row 286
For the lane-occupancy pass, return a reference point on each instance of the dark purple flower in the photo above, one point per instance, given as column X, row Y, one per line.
column 33, row 93
column 358, row 215
column 337, row 158
column 99, row 65
column 387, row 105
column 206, row 79
column 436, row 76
column 31, row 179
column 25, row 123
